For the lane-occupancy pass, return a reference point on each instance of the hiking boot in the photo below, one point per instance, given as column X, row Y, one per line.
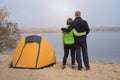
column 73, row 67
column 79, row 68
column 63, row 67
column 87, row 68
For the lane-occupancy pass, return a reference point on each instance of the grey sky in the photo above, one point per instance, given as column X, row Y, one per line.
column 40, row 13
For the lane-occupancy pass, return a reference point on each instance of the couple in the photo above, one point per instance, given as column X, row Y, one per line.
column 74, row 39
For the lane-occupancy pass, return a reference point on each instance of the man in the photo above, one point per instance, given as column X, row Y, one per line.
column 80, row 41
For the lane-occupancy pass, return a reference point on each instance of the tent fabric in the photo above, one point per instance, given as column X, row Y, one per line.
column 33, row 39
column 33, row 52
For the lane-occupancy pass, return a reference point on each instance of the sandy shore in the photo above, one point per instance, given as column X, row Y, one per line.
column 99, row 71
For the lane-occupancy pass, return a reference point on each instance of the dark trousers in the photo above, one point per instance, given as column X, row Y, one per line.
column 68, row 48
column 81, row 44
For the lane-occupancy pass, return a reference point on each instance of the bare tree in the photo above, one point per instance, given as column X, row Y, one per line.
column 9, row 31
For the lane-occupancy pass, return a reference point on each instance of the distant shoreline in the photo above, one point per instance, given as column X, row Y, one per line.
column 58, row 29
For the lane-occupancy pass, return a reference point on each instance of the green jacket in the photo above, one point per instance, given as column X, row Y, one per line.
column 68, row 38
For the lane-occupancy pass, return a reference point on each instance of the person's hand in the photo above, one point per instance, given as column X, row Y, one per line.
column 62, row 29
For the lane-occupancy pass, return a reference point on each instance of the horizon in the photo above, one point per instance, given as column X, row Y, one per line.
column 54, row 13
column 58, row 29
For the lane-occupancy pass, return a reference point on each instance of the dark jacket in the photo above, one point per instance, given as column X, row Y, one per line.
column 80, row 25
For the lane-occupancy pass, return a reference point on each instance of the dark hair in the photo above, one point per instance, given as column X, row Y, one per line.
column 69, row 21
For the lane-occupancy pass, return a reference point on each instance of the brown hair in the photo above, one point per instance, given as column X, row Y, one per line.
column 69, row 21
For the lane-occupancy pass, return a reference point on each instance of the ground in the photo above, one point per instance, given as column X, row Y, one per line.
column 99, row 71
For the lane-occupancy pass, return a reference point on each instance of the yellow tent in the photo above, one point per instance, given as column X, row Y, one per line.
column 33, row 52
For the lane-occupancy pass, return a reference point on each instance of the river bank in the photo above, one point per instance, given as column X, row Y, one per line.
column 99, row 71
